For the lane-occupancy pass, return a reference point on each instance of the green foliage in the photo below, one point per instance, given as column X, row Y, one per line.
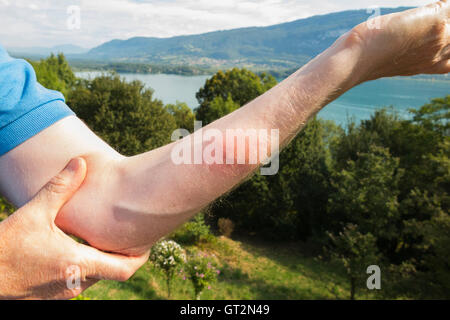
column 183, row 115
column 400, row 197
column 429, row 226
column 227, row 91
column 355, row 251
column 193, row 232
column 307, row 170
column 5, row 206
column 436, row 235
column 435, row 115
column 169, row 257
column 201, row 271
column 366, row 193
column 217, row 109
column 55, row 73
column 124, row 114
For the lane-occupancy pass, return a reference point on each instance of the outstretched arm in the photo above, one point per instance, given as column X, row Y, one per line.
column 126, row 204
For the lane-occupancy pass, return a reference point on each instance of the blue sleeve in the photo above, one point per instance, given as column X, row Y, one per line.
column 26, row 107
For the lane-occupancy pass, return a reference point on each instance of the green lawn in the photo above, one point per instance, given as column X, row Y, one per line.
column 249, row 271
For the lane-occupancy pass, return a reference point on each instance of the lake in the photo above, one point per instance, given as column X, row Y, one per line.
column 358, row 104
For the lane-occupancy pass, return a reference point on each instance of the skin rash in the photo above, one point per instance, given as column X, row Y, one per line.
column 126, row 204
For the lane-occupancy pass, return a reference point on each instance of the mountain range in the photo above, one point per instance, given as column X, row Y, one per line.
column 282, row 45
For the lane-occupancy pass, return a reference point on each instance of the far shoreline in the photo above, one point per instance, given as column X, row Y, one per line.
column 441, row 79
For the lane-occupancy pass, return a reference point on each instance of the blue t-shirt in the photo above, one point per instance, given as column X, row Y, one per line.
column 26, row 107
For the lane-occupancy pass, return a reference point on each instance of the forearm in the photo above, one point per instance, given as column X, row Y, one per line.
column 171, row 193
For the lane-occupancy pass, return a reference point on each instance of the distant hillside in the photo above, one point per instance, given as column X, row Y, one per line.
column 284, row 45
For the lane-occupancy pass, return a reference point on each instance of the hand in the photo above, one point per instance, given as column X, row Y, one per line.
column 412, row 42
column 37, row 260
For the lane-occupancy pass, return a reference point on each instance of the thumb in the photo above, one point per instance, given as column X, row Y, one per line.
column 52, row 197
column 110, row 266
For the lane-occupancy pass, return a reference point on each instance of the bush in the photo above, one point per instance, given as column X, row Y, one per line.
column 168, row 256
column 201, row 271
column 193, row 232
column 124, row 114
column 226, row 227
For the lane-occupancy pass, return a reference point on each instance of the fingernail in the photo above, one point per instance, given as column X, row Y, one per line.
column 73, row 165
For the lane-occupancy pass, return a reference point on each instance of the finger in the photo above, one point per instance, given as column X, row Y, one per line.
column 109, row 266
column 52, row 197
column 75, row 292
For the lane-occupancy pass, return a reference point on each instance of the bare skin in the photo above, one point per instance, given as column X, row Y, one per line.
column 126, row 204
column 30, row 242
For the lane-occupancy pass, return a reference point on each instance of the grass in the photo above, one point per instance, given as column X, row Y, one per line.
column 250, row 270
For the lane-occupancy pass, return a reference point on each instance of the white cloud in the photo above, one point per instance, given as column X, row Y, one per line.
column 25, row 23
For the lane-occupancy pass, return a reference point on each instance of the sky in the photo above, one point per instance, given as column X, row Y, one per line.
column 88, row 23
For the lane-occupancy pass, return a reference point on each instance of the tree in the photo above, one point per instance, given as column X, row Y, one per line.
column 217, row 109
column 55, row 73
column 365, row 194
column 238, row 85
column 429, row 227
column 413, row 237
column 124, row 114
column 435, row 115
column 355, row 251
column 183, row 115
column 306, row 165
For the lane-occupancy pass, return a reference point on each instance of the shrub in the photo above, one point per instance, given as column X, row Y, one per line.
column 201, row 271
column 193, row 232
column 226, row 227
column 168, row 256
